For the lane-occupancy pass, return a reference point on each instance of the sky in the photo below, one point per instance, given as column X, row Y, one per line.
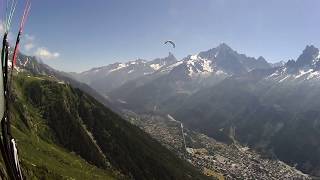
column 76, row 35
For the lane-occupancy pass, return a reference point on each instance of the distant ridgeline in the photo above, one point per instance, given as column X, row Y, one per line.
column 64, row 133
column 273, row 108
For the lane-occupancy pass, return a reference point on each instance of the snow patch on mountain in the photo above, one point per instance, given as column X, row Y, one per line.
column 316, row 59
column 283, row 74
column 197, row 65
column 131, row 71
column 283, row 79
column 120, row 66
column 313, row 75
column 155, row 66
column 206, row 66
column 194, row 57
column 220, row 72
column 172, row 66
column 303, row 72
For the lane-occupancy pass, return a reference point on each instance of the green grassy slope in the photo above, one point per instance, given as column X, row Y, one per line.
column 41, row 156
column 63, row 133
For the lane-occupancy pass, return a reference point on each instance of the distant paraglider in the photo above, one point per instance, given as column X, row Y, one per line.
column 170, row 42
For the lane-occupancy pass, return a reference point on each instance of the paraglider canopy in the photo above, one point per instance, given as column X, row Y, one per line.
column 170, row 42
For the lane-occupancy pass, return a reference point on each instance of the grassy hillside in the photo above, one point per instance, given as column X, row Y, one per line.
column 41, row 156
column 63, row 133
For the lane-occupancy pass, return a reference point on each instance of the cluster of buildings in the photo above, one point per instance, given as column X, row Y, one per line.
column 214, row 158
column 236, row 162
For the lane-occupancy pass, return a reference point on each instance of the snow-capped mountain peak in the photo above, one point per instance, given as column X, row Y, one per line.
column 120, row 66
column 221, row 59
column 305, row 68
column 199, row 64
column 116, row 74
column 309, row 57
column 159, row 63
column 218, row 61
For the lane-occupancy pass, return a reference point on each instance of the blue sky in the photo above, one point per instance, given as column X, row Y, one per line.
column 76, row 35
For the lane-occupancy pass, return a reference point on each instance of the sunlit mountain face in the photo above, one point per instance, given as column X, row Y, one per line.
column 146, row 90
column 82, row 129
column 272, row 108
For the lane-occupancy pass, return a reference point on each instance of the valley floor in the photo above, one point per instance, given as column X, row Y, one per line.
column 211, row 157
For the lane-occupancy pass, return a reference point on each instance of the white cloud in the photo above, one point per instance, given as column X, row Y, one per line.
column 11, row 39
column 29, row 37
column 45, row 54
column 28, row 46
column 31, row 46
column 28, row 42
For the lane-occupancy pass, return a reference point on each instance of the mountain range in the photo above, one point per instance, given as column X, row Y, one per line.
column 174, row 79
column 106, row 78
column 63, row 132
column 273, row 108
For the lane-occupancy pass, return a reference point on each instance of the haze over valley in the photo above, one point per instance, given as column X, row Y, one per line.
column 231, row 97
column 160, row 90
